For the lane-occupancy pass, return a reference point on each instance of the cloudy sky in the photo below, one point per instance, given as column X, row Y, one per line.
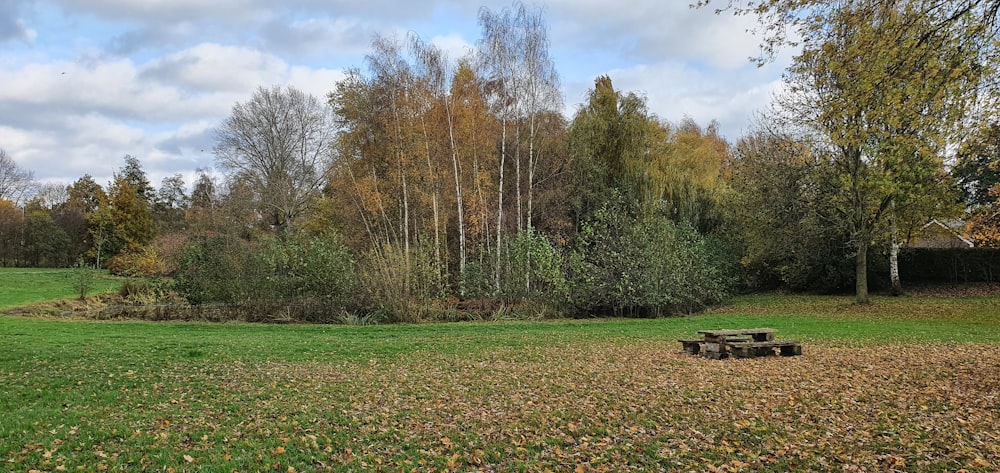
column 85, row 82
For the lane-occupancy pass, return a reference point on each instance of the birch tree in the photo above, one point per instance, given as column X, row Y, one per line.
column 498, row 56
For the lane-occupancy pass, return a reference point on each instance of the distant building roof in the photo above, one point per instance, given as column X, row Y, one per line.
column 935, row 234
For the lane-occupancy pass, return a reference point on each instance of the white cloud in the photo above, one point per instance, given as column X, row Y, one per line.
column 454, row 45
column 153, row 78
column 674, row 90
column 317, row 82
column 653, row 30
column 216, row 68
column 65, row 119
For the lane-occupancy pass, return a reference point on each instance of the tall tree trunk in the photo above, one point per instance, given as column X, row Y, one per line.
column 860, row 224
column 456, row 168
column 897, row 286
column 484, row 211
column 406, row 196
column 531, row 189
column 517, row 169
column 390, row 232
column 358, row 202
column 503, row 155
column 531, row 168
column 861, row 272
column 432, row 175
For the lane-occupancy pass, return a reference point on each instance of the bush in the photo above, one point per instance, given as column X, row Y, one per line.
column 532, row 269
column 399, row 286
column 84, row 278
column 643, row 267
column 313, row 273
column 137, row 263
column 304, row 278
column 219, row 269
column 170, row 248
column 949, row 265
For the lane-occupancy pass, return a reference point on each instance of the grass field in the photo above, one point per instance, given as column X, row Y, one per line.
column 907, row 384
column 20, row 286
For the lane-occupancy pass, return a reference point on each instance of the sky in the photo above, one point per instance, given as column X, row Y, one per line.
column 85, row 82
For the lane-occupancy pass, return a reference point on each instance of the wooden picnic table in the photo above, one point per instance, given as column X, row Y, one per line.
column 740, row 343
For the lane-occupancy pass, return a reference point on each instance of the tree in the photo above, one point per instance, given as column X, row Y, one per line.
column 796, row 22
column 130, row 210
column 83, row 278
column 278, row 143
column 11, row 233
column 202, row 212
column 85, row 194
column 133, row 173
column 50, row 196
column 449, row 157
column 686, row 172
column 609, row 140
column 45, row 244
column 521, row 86
column 123, row 221
column 777, row 214
column 74, row 216
column 15, row 183
column 170, row 203
column 978, row 166
column 885, row 87
column 978, row 174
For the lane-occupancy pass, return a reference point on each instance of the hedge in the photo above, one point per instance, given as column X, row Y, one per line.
column 949, row 265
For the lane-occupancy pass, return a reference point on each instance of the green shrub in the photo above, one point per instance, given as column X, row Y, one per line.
column 531, row 269
column 218, row 269
column 400, row 285
column 643, row 267
column 137, row 263
column 84, row 278
column 304, row 278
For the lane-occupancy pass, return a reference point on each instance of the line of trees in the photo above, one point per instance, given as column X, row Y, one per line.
column 426, row 185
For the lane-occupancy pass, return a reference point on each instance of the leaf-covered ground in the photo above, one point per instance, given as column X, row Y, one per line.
column 613, row 405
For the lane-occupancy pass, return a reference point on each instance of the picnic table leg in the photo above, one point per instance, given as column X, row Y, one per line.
column 716, row 350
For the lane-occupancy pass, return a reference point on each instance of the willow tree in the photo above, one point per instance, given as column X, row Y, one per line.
column 885, row 86
column 685, row 171
column 609, row 144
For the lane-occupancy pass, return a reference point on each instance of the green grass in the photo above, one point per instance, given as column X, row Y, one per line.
column 611, row 394
column 24, row 286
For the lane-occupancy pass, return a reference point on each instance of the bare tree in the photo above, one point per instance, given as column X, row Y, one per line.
column 51, row 195
column 15, row 183
column 278, row 144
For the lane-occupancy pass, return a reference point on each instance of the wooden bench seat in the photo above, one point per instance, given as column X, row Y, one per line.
column 753, row 349
column 722, row 336
column 692, row 346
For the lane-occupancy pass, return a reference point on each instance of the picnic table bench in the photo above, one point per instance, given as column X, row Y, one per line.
column 740, row 343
